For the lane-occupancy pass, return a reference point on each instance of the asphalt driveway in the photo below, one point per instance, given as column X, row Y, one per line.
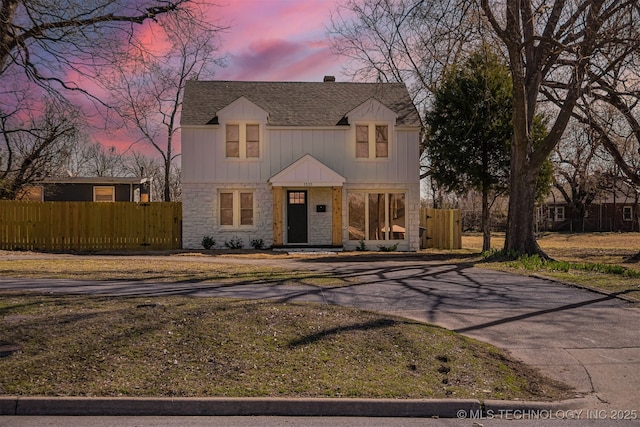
column 588, row 340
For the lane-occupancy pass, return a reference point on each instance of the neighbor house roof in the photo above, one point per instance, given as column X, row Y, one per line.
column 295, row 103
column 621, row 193
column 100, row 180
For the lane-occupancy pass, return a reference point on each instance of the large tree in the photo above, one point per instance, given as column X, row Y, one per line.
column 469, row 130
column 556, row 51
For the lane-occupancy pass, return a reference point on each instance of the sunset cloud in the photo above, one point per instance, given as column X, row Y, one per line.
column 279, row 59
column 277, row 40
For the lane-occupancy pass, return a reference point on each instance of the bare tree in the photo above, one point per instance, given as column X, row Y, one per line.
column 50, row 51
column 147, row 91
column 137, row 164
column 582, row 171
column 406, row 41
column 51, row 44
column 34, row 144
column 556, row 51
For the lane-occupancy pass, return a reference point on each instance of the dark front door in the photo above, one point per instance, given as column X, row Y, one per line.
column 296, row 217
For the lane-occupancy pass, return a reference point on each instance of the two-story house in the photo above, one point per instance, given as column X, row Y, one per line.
column 300, row 164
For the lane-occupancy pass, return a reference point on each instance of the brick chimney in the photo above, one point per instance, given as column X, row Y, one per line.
column 329, row 79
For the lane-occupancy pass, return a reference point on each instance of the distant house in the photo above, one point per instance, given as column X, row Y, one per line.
column 300, row 164
column 611, row 210
column 89, row 189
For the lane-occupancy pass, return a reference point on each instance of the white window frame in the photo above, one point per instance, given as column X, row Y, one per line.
column 236, row 209
column 371, row 127
column 102, row 187
column 627, row 213
column 557, row 213
column 242, row 139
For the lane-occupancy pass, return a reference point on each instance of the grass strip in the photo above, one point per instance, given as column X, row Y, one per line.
column 150, row 270
column 610, row 278
column 535, row 262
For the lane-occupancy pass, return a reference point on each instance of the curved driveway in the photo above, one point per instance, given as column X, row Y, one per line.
column 588, row 340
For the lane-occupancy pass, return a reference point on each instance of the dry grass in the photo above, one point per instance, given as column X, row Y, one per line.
column 597, row 248
column 180, row 346
column 147, row 269
column 612, row 248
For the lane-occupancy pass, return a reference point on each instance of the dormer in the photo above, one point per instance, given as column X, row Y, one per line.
column 372, row 126
column 242, row 123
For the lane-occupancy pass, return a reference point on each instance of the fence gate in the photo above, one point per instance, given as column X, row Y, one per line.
column 90, row 226
column 443, row 228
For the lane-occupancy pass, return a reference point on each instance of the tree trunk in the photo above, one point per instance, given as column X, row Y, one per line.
column 167, row 186
column 520, row 238
column 486, row 219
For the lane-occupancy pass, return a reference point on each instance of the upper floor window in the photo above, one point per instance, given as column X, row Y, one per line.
column 242, row 141
column 372, row 141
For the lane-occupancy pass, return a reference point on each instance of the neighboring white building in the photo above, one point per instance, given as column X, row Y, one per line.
column 300, row 164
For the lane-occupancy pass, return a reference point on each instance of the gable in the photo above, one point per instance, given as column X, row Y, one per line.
column 372, row 110
column 242, row 109
column 307, row 171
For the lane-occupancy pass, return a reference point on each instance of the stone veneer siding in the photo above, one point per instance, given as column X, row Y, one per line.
column 200, row 215
column 320, row 222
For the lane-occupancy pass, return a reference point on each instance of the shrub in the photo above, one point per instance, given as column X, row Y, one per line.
column 233, row 243
column 391, row 248
column 362, row 246
column 257, row 244
column 208, row 242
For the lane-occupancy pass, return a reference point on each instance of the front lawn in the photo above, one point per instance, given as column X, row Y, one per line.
column 182, row 346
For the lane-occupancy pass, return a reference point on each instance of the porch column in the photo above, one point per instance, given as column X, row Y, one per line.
column 336, row 220
column 277, row 216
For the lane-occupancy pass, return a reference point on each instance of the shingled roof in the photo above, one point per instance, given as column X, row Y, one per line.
column 295, row 103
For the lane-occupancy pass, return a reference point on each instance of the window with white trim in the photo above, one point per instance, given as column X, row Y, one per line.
column 242, row 140
column 627, row 213
column 236, row 208
column 104, row 194
column 376, row 216
column 556, row 213
column 372, row 141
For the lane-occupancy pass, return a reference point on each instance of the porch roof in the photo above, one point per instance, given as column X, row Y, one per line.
column 307, row 171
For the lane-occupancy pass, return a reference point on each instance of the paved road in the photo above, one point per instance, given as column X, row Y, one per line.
column 588, row 340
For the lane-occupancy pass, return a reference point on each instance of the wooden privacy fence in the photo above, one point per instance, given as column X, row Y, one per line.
column 90, row 226
column 443, row 228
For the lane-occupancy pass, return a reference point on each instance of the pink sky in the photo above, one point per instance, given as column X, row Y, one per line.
column 266, row 40
column 276, row 40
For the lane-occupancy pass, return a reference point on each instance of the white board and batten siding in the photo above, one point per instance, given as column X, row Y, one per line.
column 203, row 148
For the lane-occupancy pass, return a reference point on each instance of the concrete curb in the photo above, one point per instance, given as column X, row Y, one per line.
column 102, row 406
